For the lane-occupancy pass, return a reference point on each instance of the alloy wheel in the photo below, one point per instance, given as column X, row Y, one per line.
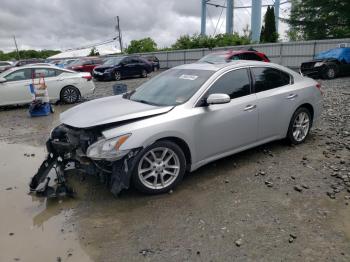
column 117, row 75
column 159, row 168
column 70, row 95
column 331, row 73
column 144, row 73
column 301, row 126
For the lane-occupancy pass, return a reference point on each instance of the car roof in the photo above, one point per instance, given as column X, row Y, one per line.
column 233, row 52
column 236, row 64
column 218, row 66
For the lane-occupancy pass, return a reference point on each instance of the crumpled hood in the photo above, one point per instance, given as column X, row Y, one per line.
column 108, row 110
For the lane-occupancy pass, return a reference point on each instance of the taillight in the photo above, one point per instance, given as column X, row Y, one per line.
column 88, row 78
column 318, row 86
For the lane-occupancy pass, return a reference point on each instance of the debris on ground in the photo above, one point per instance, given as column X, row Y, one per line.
column 239, row 242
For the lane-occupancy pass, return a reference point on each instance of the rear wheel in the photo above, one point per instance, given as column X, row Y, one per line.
column 70, row 95
column 299, row 126
column 159, row 167
column 143, row 73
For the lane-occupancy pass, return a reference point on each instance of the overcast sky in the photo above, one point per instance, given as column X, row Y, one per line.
column 64, row 24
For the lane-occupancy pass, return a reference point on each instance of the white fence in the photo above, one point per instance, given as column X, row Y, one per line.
column 290, row 54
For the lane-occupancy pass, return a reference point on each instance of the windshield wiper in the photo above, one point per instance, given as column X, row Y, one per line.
column 208, row 62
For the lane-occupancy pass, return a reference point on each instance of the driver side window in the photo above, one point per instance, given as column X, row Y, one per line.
column 19, row 75
column 235, row 83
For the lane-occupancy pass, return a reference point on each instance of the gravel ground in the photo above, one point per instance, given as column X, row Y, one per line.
column 271, row 203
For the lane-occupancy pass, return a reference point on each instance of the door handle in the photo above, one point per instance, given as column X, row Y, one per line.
column 249, row 107
column 291, row 96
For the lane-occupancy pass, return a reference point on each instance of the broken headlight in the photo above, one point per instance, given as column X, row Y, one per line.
column 108, row 149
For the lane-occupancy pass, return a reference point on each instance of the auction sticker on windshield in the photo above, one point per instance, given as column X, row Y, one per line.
column 188, row 77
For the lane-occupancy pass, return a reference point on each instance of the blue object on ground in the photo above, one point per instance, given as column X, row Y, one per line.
column 40, row 109
column 119, row 89
column 342, row 54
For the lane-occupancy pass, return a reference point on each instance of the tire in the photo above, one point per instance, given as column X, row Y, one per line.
column 117, row 75
column 330, row 72
column 299, row 126
column 70, row 95
column 143, row 73
column 151, row 176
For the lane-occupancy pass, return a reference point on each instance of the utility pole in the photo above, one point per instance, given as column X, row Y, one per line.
column 203, row 17
column 119, row 36
column 256, row 20
column 229, row 17
column 14, row 39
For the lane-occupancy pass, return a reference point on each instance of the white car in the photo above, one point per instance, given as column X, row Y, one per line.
column 62, row 84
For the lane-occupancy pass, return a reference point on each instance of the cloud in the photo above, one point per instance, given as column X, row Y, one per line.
column 64, row 24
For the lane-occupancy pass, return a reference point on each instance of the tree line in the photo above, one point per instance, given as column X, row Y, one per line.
column 26, row 54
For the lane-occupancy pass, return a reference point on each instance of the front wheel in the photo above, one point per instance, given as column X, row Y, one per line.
column 70, row 95
column 299, row 126
column 159, row 168
column 330, row 72
column 117, row 75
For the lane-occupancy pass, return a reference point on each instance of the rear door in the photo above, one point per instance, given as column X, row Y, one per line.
column 16, row 89
column 225, row 127
column 276, row 99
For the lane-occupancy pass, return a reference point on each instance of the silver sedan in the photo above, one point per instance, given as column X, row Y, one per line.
column 181, row 120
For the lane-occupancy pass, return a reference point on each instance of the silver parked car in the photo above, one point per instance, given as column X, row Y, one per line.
column 179, row 121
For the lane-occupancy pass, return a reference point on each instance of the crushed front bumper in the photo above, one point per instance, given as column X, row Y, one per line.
column 67, row 151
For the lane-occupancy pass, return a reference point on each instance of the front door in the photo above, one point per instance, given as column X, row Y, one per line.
column 16, row 89
column 222, row 128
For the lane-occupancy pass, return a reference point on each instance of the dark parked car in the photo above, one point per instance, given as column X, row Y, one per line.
column 28, row 61
column 85, row 64
column 329, row 64
column 228, row 56
column 154, row 61
column 116, row 68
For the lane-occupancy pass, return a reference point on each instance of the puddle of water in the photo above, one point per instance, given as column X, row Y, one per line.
column 31, row 228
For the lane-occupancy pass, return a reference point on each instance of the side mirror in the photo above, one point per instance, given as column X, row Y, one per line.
column 3, row 80
column 214, row 99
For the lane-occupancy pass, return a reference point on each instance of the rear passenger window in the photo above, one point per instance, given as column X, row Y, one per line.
column 268, row 78
column 234, row 83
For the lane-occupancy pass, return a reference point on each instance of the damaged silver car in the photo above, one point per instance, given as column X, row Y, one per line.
column 178, row 121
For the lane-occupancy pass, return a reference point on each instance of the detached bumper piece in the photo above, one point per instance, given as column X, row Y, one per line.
column 66, row 152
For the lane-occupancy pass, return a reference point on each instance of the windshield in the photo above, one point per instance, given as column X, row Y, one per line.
column 173, row 87
column 113, row 61
column 78, row 62
column 214, row 58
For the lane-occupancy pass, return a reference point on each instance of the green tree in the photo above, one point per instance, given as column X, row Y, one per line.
column 268, row 30
column 26, row 54
column 199, row 41
column 319, row 19
column 141, row 46
column 94, row 52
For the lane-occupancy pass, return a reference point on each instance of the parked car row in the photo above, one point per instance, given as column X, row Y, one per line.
column 62, row 84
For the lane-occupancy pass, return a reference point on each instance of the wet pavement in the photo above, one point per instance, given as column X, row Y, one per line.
column 33, row 229
column 271, row 203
